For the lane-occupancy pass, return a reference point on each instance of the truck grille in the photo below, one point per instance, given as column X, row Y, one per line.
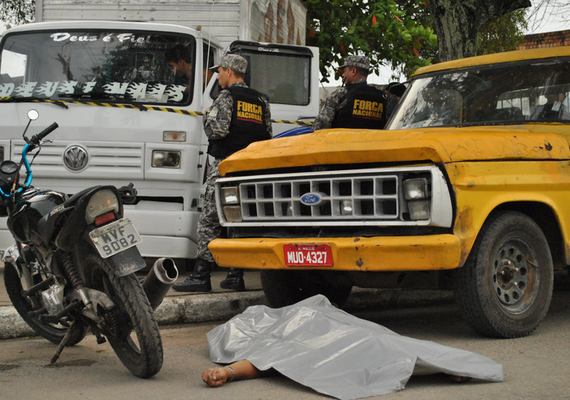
column 352, row 197
column 370, row 197
column 120, row 159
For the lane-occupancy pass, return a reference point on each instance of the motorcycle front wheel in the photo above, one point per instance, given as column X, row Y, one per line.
column 26, row 305
column 130, row 327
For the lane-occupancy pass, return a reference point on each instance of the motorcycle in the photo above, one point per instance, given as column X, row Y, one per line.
column 72, row 268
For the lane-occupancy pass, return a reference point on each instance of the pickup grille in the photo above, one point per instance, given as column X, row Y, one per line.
column 370, row 198
column 352, row 197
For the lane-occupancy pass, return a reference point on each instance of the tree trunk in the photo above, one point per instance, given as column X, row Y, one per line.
column 457, row 22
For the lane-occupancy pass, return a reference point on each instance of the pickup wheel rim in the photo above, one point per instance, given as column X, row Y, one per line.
column 515, row 275
column 505, row 287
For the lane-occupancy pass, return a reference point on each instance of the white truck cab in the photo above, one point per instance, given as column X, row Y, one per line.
column 125, row 117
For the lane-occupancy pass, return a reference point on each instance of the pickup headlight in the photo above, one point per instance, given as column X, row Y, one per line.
column 229, row 196
column 416, row 191
column 166, row 159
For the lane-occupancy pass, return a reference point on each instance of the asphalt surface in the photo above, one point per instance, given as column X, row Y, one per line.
column 221, row 304
column 535, row 367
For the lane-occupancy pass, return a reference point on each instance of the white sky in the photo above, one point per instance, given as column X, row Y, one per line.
column 549, row 23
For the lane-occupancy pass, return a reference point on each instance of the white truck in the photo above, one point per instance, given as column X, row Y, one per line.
column 123, row 118
column 271, row 21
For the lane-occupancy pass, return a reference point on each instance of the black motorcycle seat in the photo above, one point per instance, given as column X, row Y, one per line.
column 73, row 199
column 50, row 222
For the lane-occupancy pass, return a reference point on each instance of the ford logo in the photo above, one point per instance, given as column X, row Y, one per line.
column 311, row 199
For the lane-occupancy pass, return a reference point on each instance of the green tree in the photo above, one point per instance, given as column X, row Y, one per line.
column 380, row 29
column 504, row 34
column 457, row 23
column 17, row 12
column 403, row 32
column 399, row 32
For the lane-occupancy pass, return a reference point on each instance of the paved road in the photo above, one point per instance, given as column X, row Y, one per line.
column 535, row 367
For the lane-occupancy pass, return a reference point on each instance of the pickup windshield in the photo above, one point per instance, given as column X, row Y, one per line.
column 96, row 65
column 501, row 94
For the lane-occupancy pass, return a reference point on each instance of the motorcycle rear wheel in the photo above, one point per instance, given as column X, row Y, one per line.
column 24, row 305
column 131, row 328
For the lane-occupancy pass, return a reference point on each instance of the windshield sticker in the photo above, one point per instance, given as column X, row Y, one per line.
column 121, row 37
column 133, row 91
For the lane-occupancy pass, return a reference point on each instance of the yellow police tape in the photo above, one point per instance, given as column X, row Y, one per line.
column 142, row 107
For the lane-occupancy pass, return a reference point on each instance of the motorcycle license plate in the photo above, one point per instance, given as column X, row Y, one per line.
column 115, row 237
column 308, row 255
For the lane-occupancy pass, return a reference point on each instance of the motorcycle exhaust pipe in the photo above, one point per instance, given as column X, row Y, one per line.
column 157, row 283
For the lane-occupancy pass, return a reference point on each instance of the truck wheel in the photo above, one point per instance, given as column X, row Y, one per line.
column 505, row 287
column 283, row 288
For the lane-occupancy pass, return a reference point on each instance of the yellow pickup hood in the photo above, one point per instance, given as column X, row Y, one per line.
column 349, row 146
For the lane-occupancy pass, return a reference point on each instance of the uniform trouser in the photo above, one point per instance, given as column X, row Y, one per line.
column 209, row 227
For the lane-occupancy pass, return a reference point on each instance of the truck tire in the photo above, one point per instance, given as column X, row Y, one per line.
column 283, row 288
column 505, row 287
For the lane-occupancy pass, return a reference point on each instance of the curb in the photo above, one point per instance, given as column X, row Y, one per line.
column 205, row 308
column 182, row 310
column 223, row 306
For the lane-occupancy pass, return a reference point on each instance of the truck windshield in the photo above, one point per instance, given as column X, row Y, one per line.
column 501, row 94
column 97, row 65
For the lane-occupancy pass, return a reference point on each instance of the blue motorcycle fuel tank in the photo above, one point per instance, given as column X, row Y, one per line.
column 31, row 207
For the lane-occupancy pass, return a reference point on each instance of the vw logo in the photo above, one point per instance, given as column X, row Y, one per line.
column 311, row 199
column 75, row 158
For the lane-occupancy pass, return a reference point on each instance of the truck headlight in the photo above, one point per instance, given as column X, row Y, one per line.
column 230, row 195
column 416, row 189
column 232, row 213
column 166, row 159
column 419, row 209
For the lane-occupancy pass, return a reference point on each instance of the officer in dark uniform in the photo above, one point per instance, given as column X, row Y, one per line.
column 239, row 116
column 355, row 105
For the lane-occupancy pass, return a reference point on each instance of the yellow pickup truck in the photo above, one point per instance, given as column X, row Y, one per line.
column 468, row 188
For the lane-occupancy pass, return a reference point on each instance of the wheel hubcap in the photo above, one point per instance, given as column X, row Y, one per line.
column 514, row 276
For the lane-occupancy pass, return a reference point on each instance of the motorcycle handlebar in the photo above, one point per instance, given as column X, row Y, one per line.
column 36, row 138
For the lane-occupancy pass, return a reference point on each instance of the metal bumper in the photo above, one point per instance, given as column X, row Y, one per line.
column 405, row 253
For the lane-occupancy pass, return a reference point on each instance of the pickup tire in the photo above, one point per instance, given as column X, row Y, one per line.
column 505, row 287
column 283, row 288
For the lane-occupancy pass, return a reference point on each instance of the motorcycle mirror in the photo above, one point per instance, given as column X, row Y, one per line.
column 33, row 115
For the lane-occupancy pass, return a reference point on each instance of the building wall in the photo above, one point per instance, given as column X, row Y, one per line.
column 549, row 39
